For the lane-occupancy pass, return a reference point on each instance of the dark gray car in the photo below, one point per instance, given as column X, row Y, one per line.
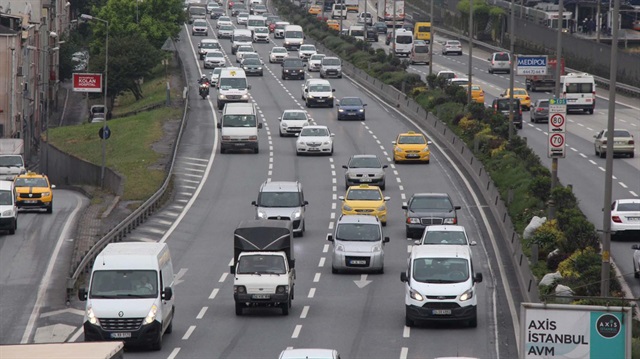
column 539, row 112
column 364, row 169
column 252, row 67
column 425, row 209
column 501, row 105
column 293, row 68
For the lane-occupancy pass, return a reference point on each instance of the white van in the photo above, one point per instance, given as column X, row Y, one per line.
column 293, row 37
column 419, row 53
column 8, row 208
column 580, row 91
column 256, row 21
column 232, row 86
column 130, row 296
column 239, row 127
column 338, row 10
column 404, row 42
column 357, row 31
column 240, row 37
column 440, row 285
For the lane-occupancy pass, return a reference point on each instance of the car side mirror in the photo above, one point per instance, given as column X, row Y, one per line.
column 345, row 167
column 330, row 237
column 457, row 207
column 219, row 125
column 259, row 124
column 248, row 87
column 635, row 246
column 332, row 135
column 386, row 240
column 489, row 59
column 393, row 142
column 254, row 203
column 364, row 104
column 387, row 198
column 478, row 278
column 404, row 206
column 428, row 142
column 305, row 203
column 306, row 90
column 167, row 293
column 281, row 65
column 53, row 186
column 341, row 198
column 473, row 243
column 297, row 135
column 595, row 136
column 333, row 90
column 279, row 118
column 292, row 263
column 385, row 166
column 403, row 277
column 417, row 242
column 232, row 269
column 82, row 294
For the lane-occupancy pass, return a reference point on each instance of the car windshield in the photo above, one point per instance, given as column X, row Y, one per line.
column 197, row 11
column 226, row 27
column 210, row 45
column 314, row 132
column 294, row 116
column 501, row 57
column 224, row 18
column 214, row 54
column 444, row 237
column 350, row 101
column 414, row 140
column 620, row 133
column 243, row 38
column 519, row 92
column 356, row 32
column 124, row 284
column 453, row 43
column 293, row 34
column 475, row 88
column 239, row 121
column 629, row 207
column 293, row 63
column 261, row 264
column 316, row 58
column 245, row 49
column 251, row 62
column 365, row 232
column 404, row 39
column 503, row 105
column 260, row 30
column 543, row 103
column 307, row 48
column 200, row 23
column 364, row 195
column 331, row 62
column 364, row 162
column 421, row 49
column 439, row 204
column 6, row 198
column 259, row 7
column 440, row 270
column 276, row 50
column 579, row 88
column 319, row 88
column 279, row 199
column 31, row 182
column 447, row 75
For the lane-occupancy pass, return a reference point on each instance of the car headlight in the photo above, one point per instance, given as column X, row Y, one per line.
column 222, row 97
column 382, row 208
column 309, row 96
column 425, row 149
column 466, row 295
column 330, row 95
column 449, row 221
column 376, row 248
column 259, row 68
column 413, row 220
column 283, row 125
column 297, row 214
column 340, row 110
column 46, row 194
column 286, row 42
column 262, row 214
column 245, row 97
column 415, row 295
column 7, row 213
column 361, row 110
column 326, row 143
column 339, row 248
column 346, row 207
column 152, row 315
column 91, row 316
column 398, row 149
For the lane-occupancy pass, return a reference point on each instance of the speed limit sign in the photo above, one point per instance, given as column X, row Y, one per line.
column 556, row 145
column 557, row 127
column 557, row 122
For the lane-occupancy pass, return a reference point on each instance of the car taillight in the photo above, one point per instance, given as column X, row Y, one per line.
column 527, row 98
column 539, row 109
column 604, row 142
column 616, row 219
column 631, row 142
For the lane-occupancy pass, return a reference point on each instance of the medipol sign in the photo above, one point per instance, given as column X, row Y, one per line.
column 574, row 331
column 531, row 65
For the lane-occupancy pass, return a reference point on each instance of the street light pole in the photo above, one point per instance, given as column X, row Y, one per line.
column 470, row 75
column 512, row 42
column 433, row 38
column 106, row 83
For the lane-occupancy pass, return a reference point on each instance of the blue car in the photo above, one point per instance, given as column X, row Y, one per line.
column 351, row 108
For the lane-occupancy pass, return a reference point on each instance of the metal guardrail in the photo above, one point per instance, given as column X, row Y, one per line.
column 137, row 217
column 600, row 81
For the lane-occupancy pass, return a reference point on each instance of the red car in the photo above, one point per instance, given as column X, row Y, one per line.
column 272, row 26
column 230, row 4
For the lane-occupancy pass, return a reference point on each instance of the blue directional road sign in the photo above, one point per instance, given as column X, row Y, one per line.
column 531, row 65
column 104, row 132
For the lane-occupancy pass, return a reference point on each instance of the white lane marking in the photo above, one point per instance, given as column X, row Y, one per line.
column 333, row 215
column 633, row 194
column 331, row 225
column 583, row 155
column 312, row 293
column 333, row 205
column 214, row 292
column 174, row 353
column 403, row 196
column 76, row 335
column 202, row 312
column 189, row 332
column 406, row 332
column 305, row 311
column 593, row 162
column 401, row 187
column 196, row 159
column 601, row 169
column 404, row 352
column 321, row 263
column 623, row 185
column 325, row 249
column 223, row 277
column 44, row 284
column 296, row 331
column 409, row 246
column 316, row 278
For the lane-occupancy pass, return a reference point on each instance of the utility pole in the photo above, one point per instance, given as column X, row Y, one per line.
column 365, row 20
column 608, row 183
column 469, row 97
column 433, row 38
column 558, row 94
column 393, row 40
column 598, row 22
column 512, row 45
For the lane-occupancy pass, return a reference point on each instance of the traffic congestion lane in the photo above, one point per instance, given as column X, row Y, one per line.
column 33, row 266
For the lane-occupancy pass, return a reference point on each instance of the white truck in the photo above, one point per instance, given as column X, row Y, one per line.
column 98, row 350
column 263, row 265
column 386, row 10
column 11, row 161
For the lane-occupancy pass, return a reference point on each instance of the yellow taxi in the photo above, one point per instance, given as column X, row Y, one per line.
column 366, row 200
column 315, row 9
column 411, row 146
column 520, row 93
column 477, row 94
column 34, row 191
column 333, row 25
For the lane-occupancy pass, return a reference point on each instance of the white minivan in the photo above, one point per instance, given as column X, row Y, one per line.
column 8, row 208
column 239, row 127
column 240, row 37
column 579, row 89
column 440, row 285
column 232, row 86
column 293, row 37
column 130, row 296
column 404, row 42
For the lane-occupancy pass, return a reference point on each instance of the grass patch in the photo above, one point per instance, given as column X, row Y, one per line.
column 129, row 150
column 154, row 90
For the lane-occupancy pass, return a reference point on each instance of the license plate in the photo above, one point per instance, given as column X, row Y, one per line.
column 442, row 312
column 633, row 219
column 121, row 335
column 261, row 296
column 30, row 201
column 365, row 179
column 358, row 261
column 619, row 143
column 239, row 144
column 313, row 149
column 320, row 100
column 352, row 113
column 413, row 156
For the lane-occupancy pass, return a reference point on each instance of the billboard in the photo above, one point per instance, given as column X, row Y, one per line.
column 574, row 331
column 531, row 65
column 87, row 82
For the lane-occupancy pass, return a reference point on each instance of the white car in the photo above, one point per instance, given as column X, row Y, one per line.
column 206, row 46
column 365, row 16
column 460, row 81
column 278, row 54
column 261, row 34
column 315, row 62
column 314, row 139
column 314, row 353
column 214, row 59
column 223, row 20
column 242, row 18
column 225, row 31
column 446, row 74
column 211, row 5
column 306, row 51
column 317, row 92
column 215, row 76
column 292, row 122
column 452, row 47
column 278, row 32
column 200, row 27
column 445, row 234
column 625, row 218
column 243, row 50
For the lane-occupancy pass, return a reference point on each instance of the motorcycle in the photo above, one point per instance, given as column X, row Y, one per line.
column 204, row 90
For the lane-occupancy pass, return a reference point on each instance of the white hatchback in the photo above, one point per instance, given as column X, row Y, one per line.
column 315, row 62
column 223, row 20
column 292, row 122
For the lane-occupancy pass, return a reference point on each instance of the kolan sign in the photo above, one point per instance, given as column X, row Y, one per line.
column 87, row 82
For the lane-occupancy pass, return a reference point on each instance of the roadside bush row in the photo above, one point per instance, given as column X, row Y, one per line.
column 569, row 243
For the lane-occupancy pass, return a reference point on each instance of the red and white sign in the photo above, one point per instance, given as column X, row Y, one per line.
column 556, row 145
column 557, row 128
column 87, row 82
column 557, row 122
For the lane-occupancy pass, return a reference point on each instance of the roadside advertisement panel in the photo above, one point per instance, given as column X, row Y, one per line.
column 87, row 82
column 574, row 331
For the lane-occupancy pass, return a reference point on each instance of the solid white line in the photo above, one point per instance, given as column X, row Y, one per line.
column 406, row 332
column 189, row 332
column 202, row 311
column 316, row 278
column 296, row 331
column 305, row 311
column 76, row 335
column 404, row 352
column 213, row 294
column 44, row 284
column 321, row 263
column 312, row 293
column 223, row 277
column 174, row 353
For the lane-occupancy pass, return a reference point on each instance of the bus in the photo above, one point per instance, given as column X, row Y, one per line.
column 422, row 31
